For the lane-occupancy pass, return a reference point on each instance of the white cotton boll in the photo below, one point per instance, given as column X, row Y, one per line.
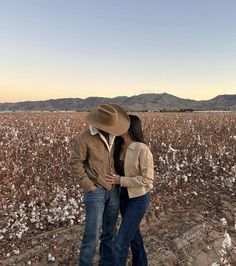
column 66, row 207
column 29, row 262
column 31, row 203
column 50, row 219
column 1, row 237
column 227, row 241
column 224, row 222
column 177, row 166
column 33, row 220
column 4, row 230
column 64, row 198
column 19, row 234
column 185, row 178
column 172, row 149
column 17, row 251
column 224, row 261
column 215, row 264
column 50, row 257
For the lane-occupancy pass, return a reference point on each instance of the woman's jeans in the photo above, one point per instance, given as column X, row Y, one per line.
column 101, row 207
column 132, row 212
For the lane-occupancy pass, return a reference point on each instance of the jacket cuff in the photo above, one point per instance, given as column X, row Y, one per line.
column 122, row 181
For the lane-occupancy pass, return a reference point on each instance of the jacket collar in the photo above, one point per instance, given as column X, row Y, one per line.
column 132, row 146
column 94, row 131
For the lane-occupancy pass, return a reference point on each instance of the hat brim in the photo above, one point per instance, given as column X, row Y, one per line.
column 121, row 126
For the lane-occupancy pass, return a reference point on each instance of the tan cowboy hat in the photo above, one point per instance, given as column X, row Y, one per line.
column 110, row 118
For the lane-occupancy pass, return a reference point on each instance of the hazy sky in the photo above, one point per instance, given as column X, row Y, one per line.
column 73, row 48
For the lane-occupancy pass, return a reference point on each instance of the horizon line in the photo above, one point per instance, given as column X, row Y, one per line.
column 112, row 97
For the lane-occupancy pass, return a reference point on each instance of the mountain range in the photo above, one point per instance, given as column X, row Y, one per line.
column 142, row 102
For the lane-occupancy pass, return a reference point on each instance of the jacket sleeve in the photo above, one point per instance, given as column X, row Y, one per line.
column 146, row 168
column 77, row 170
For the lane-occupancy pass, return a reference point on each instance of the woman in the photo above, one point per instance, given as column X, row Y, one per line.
column 134, row 166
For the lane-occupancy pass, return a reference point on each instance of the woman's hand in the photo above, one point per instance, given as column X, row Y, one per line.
column 113, row 179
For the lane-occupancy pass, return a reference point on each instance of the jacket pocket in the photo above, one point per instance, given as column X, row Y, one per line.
column 94, row 148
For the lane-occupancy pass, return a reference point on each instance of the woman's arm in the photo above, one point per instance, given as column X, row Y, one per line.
column 147, row 172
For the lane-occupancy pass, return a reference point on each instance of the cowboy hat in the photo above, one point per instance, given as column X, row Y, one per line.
column 110, row 118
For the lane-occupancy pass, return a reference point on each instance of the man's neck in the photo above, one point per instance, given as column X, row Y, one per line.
column 105, row 134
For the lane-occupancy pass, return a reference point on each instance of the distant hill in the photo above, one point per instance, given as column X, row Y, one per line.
column 143, row 102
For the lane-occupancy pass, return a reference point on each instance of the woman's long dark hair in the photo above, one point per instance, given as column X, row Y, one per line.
column 135, row 132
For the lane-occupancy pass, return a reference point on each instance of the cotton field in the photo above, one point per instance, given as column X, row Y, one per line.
column 194, row 156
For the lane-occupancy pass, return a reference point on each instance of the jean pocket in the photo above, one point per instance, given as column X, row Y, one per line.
column 96, row 194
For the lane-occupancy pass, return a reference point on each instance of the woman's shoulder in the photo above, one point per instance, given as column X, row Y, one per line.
column 144, row 151
column 141, row 146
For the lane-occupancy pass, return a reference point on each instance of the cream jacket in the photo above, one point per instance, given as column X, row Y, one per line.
column 139, row 170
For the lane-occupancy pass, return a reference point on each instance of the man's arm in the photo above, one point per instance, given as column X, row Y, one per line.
column 77, row 170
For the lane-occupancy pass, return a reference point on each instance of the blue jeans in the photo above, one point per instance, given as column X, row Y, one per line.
column 101, row 207
column 132, row 212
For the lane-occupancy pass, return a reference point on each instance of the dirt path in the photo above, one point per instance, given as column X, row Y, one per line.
column 174, row 237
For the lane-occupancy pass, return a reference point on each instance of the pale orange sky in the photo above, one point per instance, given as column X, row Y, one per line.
column 25, row 86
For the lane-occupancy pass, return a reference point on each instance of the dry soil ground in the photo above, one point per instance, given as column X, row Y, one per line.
column 174, row 236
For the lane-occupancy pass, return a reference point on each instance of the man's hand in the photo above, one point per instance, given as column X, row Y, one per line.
column 113, row 179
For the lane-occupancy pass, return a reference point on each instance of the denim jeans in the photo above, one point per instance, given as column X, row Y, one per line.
column 132, row 212
column 101, row 207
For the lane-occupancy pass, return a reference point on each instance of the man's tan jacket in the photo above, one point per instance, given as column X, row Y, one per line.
column 90, row 161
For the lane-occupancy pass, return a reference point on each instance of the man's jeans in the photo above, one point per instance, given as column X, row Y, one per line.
column 101, row 207
column 132, row 212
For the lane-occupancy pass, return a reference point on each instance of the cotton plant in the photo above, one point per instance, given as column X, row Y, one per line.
column 36, row 190
column 226, row 246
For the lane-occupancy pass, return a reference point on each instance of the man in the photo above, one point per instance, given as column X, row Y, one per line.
column 91, row 160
